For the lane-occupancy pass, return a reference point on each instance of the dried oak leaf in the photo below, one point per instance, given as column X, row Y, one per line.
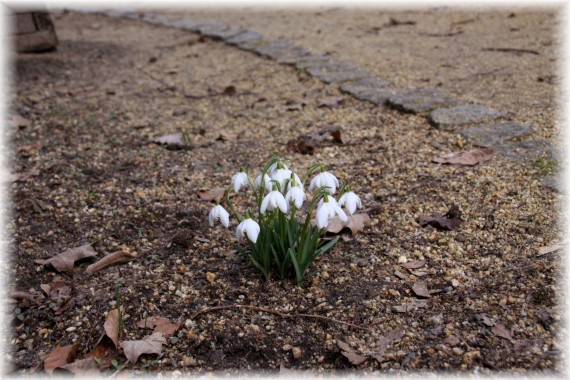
column 59, row 357
column 349, row 353
column 450, row 221
column 421, row 290
column 160, row 325
column 64, row 262
column 83, row 367
column 470, row 158
column 59, row 293
column 151, row 344
column 106, row 348
column 210, row 195
column 355, row 223
column 501, row 331
column 119, row 257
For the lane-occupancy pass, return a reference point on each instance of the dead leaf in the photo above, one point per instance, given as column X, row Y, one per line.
column 160, row 325
column 421, row 290
column 83, row 367
column 355, row 223
column 33, row 297
column 549, row 249
column 418, row 273
column 151, row 344
column 59, row 357
column 335, row 132
column 401, row 275
column 484, row 319
column 64, row 262
column 410, row 306
column 210, row 195
column 501, row 331
column 332, row 102
column 470, row 158
column 119, row 257
column 19, row 121
column 414, row 264
column 106, row 348
column 449, row 221
column 384, row 342
column 350, row 353
column 59, row 293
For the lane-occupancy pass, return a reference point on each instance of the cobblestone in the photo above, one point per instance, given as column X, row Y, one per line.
column 421, row 100
column 449, row 118
column 494, row 134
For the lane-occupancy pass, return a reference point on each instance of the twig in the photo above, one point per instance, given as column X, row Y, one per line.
column 544, row 355
column 512, row 50
column 283, row 315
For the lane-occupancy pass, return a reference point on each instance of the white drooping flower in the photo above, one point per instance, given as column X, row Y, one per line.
column 272, row 201
column 295, row 195
column 240, row 180
column 282, row 175
column 218, row 212
column 266, row 179
column 325, row 179
column 330, row 199
column 326, row 211
column 350, row 201
column 275, row 166
column 250, row 228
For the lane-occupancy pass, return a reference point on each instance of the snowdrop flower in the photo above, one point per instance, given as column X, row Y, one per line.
column 350, row 201
column 330, row 199
column 266, row 179
column 325, row 178
column 250, row 228
column 326, row 211
column 295, row 195
column 272, row 201
column 275, row 166
column 218, row 212
column 281, row 175
column 240, row 180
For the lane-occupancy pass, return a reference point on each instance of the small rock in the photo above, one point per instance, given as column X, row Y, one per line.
column 211, row 277
column 402, row 260
column 287, row 347
column 454, row 283
column 458, row 351
column 297, row 353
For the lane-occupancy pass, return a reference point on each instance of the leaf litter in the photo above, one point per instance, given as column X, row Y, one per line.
column 470, row 158
column 151, row 344
column 450, row 221
column 65, row 261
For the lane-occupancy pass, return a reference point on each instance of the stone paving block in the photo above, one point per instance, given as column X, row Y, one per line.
column 494, row 134
column 371, row 89
column 421, row 100
column 282, row 51
column 554, row 183
column 336, row 71
column 247, row 36
column 312, row 60
column 186, row 24
column 527, row 150
column 219, row 31
column 449, row 118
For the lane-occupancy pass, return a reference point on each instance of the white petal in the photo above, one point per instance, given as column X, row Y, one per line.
column 323, row 216
column 280, row 200
column 239, row 231
column 252, row 229
column 224, row 217
column 212, row 217
column 265, row 203
column 340, row 213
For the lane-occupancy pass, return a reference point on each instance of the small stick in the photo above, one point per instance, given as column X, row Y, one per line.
column 512, row 50
column 283, row 315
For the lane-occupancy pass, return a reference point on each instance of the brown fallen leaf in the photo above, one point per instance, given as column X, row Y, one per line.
column 384, row 342
column 501, row 331
column 418, row 273
column 64, row 262
column 349, row 353
column 160, row 325
column 213, row 194
column 335, row 132
column 59, row 357
column 33, row 297
column 449, row 221
column 414, row 264
column 151, row 344
column 107, row 347
column 119, row 257
column 59, row 293
column 401, row 275
column 83, row 367
column 355, row 223
column 470, row 158
column 421, row 290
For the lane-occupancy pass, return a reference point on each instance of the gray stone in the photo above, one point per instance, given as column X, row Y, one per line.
column 125, row 13
column 282, row 51
column 494, row 134
column 186, row 24
column 449, row 118
column 554, row 183
column 246, row 36
column 527, row 150
column 336, row 71
column 371, row 89
column 157, row 20
column 219, row 31
column 421, row 100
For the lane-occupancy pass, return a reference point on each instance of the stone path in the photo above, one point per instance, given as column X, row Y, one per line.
column 479, row 125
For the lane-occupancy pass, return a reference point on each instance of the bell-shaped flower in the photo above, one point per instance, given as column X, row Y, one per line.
column 240, row 180
column 350, row 201
column 282, row 175
column 250, row 228
column 329, row 199
column 295, row 195
column 218, row 212
column 326, row 211
column 272, row 201
column 266, row 179
column 275, row 166
column 325, row 179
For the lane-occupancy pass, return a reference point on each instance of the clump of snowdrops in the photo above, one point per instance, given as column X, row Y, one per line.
column 279, row 236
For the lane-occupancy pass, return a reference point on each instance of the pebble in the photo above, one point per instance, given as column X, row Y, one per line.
column 454, row 283
column 287, row 347
column 297, row 353
column 70, row 329
column 458, row 351
column 402, row 260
